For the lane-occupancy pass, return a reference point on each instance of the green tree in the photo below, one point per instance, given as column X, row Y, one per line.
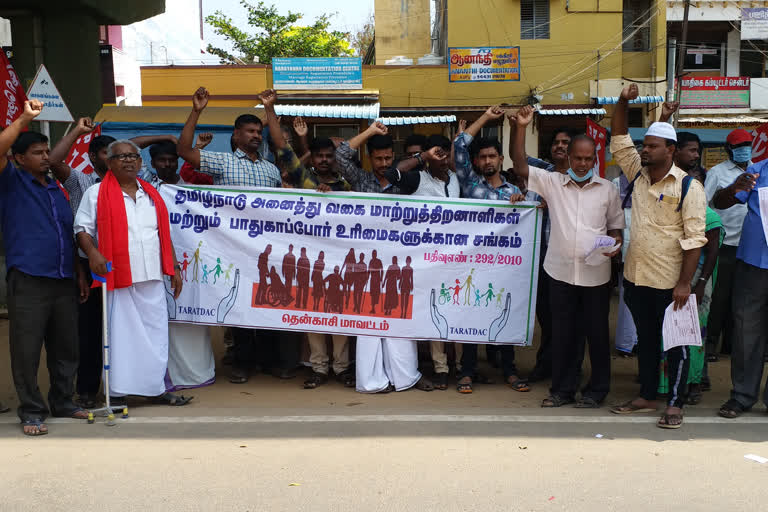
column 270, row 34
column 362, row 37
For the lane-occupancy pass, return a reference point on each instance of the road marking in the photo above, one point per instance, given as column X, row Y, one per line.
column 408, row 418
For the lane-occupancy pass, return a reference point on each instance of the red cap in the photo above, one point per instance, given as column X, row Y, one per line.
column 739, row 136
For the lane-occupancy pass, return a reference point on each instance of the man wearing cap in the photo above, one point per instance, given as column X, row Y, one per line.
column 739, row 148
column 667, row 236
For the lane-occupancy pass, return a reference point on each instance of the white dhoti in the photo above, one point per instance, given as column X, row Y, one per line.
column 138, row 339
column 381, row 361
column 190, row 357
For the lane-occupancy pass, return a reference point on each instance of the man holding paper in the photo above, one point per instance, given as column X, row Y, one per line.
column 668, row 224
column 587, row 219
column 750, row 304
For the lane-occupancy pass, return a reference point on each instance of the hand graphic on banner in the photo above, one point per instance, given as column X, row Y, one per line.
column 226, row 304
column 497, row 325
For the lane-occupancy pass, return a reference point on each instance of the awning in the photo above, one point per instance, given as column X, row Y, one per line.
column 612, row 100
column 713, row 136
column 729, row 120
column 370, row 111
column 220, row 116
column 416, row 120
column 572, row 112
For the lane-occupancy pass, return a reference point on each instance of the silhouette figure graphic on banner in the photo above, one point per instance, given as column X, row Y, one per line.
column 303, row 269
column 318, row 283
column 391, row 279
column 349, row 266
column 406, row 287
column 376, row 273
column 360, row 281
column 263, row 267
column 334, row 295
column 289, row 270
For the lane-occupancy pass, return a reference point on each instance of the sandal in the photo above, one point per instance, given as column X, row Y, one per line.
column 317, row 379
column 556, row 401
column 630, row 408
column 670, row 421
column 239, row 375
column 75, row 414
column 347, row 378
column 172, row 399
column 441, row 381
column 465, row 388
column 424, row 384
column 38, row 424
column 518, row 384
column 587, row 402
column 694, row 395
column 732, row 409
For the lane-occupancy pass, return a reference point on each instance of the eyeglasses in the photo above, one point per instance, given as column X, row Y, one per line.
column 126, row 157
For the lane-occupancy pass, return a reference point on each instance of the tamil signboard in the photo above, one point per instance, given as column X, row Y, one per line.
column 317, row 73
column 43, row 89
column 754, row 23
column 715, row 92
column 484, row 64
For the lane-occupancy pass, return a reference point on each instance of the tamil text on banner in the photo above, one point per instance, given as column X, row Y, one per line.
column 760, row 143
column 390, row 266
column 12, row 98
column 598, row 134
column 78, row 158
column 754, row 23
column 317, row 73
column 485, row 64
column 714, row 92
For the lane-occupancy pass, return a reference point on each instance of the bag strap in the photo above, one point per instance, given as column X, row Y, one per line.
column 686, row 185
column 630, row 189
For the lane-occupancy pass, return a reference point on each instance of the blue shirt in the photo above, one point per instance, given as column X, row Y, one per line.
column 37, row 225
column 753, row 249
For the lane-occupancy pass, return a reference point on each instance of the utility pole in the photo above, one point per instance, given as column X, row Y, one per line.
column 681, row 57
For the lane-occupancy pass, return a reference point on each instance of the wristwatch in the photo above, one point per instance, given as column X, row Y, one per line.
column 417, row 156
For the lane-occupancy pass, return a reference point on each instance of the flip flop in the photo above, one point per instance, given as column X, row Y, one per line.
column 664, row 421
column 424, row 385
column 34, row 423
column 172, row 400
column 464, row 388
column 317, row 379
column 519, row 385
column 630, row 408
column 587, row 402
column 556, row 401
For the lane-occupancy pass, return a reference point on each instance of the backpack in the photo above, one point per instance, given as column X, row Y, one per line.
column 631, row 188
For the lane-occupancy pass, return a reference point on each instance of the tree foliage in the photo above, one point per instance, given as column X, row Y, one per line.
column 270, row 34
column 363, row 36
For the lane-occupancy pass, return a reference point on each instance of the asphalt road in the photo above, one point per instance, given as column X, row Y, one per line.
column 490, row 460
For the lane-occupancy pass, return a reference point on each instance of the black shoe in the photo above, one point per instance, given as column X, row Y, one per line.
column 712, row 358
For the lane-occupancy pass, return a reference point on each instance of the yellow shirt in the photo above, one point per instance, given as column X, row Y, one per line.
column 659, row 233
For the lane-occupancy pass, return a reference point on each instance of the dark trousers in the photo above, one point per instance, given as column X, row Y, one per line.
column 90, row 329
column 265, row 348
column 543, row 367
column 43, row 311
column 721, row 314
column 469, row 359
column 581, row 311
column 647, row 306
column 750, row 334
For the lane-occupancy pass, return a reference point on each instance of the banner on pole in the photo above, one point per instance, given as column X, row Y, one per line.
column 599, row 135
column 78, row 158
column 760, row 143
column 43, row 89
column 12, row 98
column 365, row 264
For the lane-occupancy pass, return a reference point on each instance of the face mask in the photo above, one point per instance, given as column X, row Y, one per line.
column 742, row 154
column 576, row 178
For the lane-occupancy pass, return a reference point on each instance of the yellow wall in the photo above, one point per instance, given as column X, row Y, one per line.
column 402, row 28
column 559, row 68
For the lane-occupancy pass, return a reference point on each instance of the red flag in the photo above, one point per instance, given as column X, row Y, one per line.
column 78, row 155
column 760, row 143
column 599, row 135
column 12, row 96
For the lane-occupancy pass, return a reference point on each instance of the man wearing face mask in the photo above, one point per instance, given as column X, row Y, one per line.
column 739, row 148
column 582, row 207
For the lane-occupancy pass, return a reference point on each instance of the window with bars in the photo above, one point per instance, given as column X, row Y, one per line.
column 534, row 19
column 637, row 22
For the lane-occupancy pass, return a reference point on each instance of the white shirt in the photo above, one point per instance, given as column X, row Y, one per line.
column 143, row 236
column 431, row 186
column 578, row 215
column 721, row 176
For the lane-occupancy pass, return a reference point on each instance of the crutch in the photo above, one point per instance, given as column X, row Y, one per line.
column 107, row 410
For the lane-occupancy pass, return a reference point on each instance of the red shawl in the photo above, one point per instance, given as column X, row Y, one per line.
column 112, row 228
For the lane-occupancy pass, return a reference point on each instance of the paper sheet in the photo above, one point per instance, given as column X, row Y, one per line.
column 763, row 196
column 603, row 245
column 681, row 327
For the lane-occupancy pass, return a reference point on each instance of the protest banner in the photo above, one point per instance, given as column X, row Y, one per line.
column 367, row 264
column 78, row 158
column 12, row 97
column 599, row 135
column 760, row 143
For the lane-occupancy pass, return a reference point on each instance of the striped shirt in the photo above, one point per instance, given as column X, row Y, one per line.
column 472, row 184
column 237, row 169
column 360, row 179
column 76, row 185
